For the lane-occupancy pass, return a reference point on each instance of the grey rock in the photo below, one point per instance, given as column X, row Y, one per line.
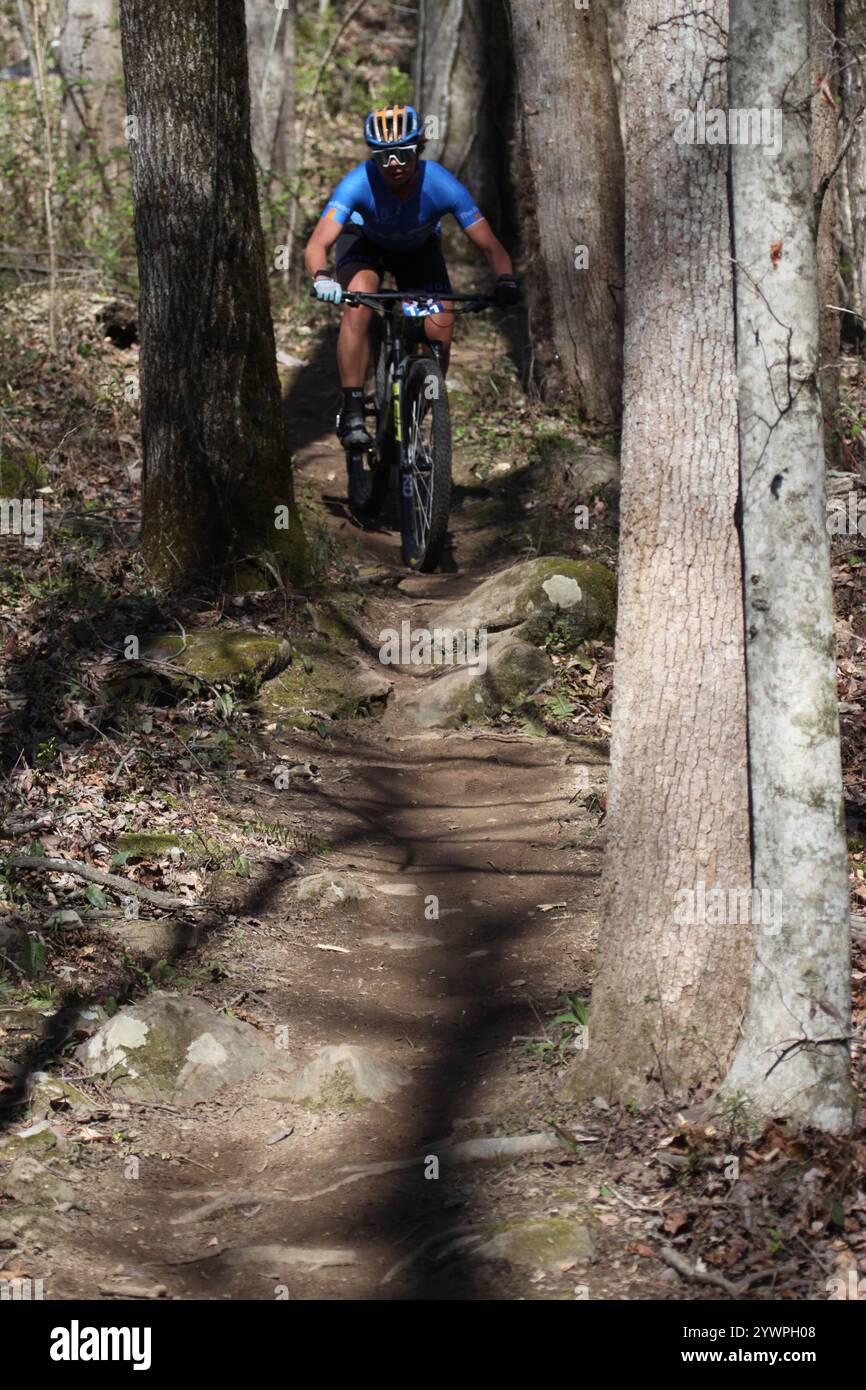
column 330, row 889
column 153, row 941
column 176, row 1048
column 548, row 1243
column 345, row 1075
column 533, row 593
column 592, row 473
column 514, row 669
column 48, row 1094
column 33, row 1183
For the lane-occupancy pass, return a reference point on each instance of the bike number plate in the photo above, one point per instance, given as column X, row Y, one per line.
column 421, row 309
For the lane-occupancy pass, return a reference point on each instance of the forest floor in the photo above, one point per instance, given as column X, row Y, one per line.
column 456, row 924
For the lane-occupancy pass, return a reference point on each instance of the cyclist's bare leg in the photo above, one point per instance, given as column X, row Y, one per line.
column 353, row 344
column 440, row 329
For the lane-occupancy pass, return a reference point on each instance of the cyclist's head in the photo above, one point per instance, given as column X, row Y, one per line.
column 395, row 135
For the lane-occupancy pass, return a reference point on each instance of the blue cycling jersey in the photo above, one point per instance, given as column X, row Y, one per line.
column 364, row 198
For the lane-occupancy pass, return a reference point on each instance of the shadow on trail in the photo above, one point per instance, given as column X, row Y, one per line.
column 478, row 1022
column 394, row 1213
column 312, row 397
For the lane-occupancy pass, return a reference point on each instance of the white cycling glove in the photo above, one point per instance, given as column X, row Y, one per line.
column 328, row 290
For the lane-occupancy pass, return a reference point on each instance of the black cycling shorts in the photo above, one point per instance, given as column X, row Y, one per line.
column 421, row 269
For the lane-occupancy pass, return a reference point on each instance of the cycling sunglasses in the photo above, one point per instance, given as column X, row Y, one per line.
column 402, row 154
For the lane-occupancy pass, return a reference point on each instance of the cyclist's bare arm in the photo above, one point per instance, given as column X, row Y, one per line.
column 320, row 243
column 498, row 258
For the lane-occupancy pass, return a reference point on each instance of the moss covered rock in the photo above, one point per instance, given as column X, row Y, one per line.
column 548, row 1243
column 322, row 680
column 219, row 656
column 171, row 1047
column 467, row 694
column 580, row 595
column 588, row 471
column 345, row 1075
column 330, row 889
column 37, row 1138
column 49, row 1095
column 146, row 845
column 21, row 474
column 153, row 941
column 33, row 1184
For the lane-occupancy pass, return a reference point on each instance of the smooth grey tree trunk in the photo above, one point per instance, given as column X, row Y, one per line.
column 671, row 983
column 572, row 202
column 853, row 98
column 825, row 139
column 91, row 65
column 217, row 478
column 271, row 53
column 793, row 1058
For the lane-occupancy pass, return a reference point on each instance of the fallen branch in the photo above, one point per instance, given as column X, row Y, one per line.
column 10, row 832
column 695, row 1275
column 133, row 1291
column 120, row 885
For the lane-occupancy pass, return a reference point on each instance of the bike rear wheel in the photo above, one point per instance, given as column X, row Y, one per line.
column 425, row 481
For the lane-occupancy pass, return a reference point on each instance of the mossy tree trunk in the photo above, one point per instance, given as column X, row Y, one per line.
column 218, row 497
column 793, row 1058
column 672, row 978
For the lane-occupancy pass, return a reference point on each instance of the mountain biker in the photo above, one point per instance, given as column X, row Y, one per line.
column 385, row 215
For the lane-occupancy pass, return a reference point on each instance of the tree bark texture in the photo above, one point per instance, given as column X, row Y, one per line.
column 216, row 471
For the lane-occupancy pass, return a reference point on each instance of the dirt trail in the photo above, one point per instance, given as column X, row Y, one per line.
column 482, row 863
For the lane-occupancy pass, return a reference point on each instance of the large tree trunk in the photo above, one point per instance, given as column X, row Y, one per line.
column 672, row 977
column 216, row 471
column 801, row 973
column 90, row 64
column 573, row 202
column 462, row 88
column 271, row 51
column 825, row 123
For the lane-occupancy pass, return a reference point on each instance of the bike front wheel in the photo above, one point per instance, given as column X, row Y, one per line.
column 425, row 477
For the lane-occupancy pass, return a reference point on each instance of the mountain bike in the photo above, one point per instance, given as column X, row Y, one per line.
column 409, row 403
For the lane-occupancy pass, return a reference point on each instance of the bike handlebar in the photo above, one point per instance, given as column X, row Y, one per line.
column 474, row 302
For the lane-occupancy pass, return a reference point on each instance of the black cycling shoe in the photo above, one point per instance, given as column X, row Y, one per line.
column 352, row 431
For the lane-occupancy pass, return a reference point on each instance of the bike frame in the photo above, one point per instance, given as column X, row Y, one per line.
column 399, row 359
column 397, row 343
